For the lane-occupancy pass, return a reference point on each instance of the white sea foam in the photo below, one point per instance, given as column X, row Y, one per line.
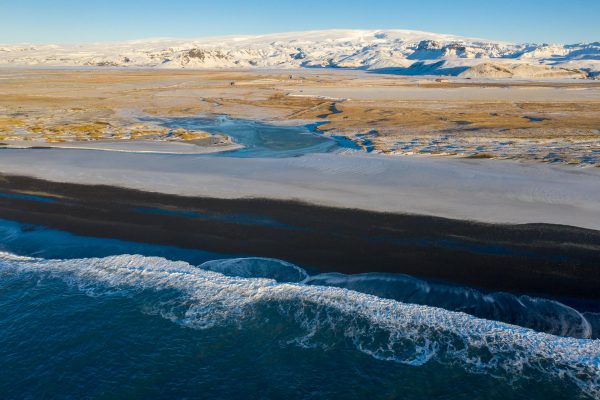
column 542, row 315
column 385, row 329
column 13, row 257
column 257, row 267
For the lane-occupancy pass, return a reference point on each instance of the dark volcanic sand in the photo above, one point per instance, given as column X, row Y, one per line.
column 549, row 260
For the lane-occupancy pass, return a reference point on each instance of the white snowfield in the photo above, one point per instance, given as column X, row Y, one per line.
column 480, row 190
column 394, row 51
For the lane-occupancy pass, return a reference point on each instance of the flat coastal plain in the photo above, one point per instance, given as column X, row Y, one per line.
column 556, row 121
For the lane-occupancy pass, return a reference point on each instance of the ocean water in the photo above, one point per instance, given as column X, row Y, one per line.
column 99, row 318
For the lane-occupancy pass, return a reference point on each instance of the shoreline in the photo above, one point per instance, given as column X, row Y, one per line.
column 127, row 146
column 538, row 259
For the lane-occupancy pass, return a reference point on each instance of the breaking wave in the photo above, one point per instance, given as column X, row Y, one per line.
column 542, row 315
column 270, row 268
column 385, row 329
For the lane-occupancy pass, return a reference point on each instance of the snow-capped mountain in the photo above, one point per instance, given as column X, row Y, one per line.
column 396, row 51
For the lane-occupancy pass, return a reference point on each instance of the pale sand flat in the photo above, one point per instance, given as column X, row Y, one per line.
column 481, row 190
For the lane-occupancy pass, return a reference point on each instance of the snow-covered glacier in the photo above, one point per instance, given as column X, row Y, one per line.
column 393, row 51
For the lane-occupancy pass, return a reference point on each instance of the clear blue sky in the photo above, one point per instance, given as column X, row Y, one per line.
column 45, row 21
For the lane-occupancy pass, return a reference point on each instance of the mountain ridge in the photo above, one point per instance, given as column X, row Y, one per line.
column 401, row 52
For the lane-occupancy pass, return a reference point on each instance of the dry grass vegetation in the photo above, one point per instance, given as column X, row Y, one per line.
column 56, row 106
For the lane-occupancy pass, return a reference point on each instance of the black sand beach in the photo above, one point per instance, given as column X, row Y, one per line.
column 543, row 259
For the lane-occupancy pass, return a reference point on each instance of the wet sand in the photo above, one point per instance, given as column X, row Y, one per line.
column 542, row 259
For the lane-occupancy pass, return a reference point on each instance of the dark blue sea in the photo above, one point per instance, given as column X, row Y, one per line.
column 97, row 318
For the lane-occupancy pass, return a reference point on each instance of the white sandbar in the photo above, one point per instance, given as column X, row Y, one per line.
column 482, row 190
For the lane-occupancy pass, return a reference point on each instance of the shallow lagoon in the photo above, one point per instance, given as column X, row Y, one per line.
column 261, row 139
